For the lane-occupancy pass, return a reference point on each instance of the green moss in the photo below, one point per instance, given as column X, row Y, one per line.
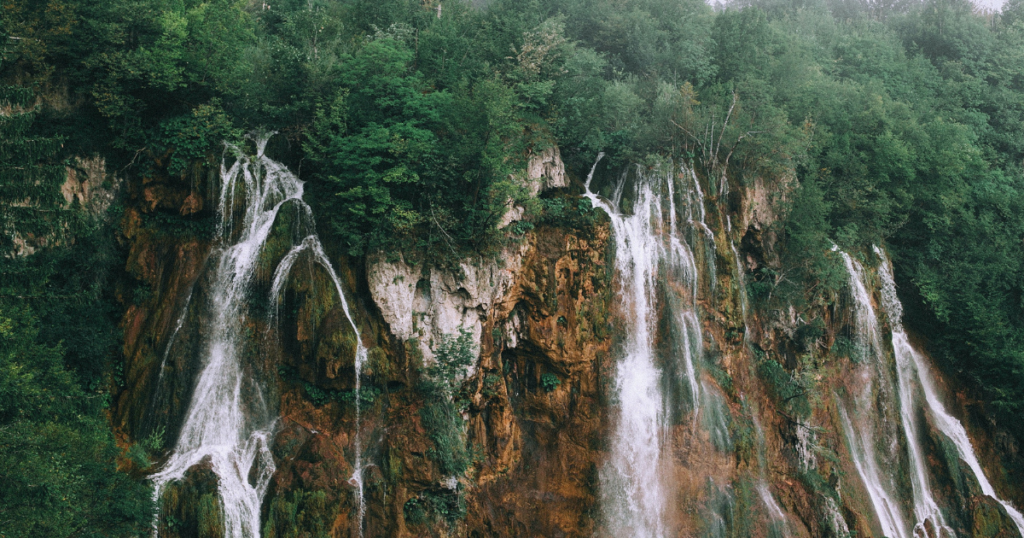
column 744, row 436
column 377, row 364
column 444, row 505
column 177, row 226
column 393, row 465
column 492, row 383
column 300, row 514
column 210, row 516
column 783, row 387
column 191, row 507
column 721, row 377
column 320, row 396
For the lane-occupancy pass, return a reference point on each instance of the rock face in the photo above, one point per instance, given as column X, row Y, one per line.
column 427, row 304
column 530, row 419
column 546, row 171
column 89, row 185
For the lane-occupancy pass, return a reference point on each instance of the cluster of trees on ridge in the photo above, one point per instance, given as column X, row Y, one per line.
column 904, row 123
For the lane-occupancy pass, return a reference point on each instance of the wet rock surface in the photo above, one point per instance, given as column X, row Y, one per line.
column 537, row 404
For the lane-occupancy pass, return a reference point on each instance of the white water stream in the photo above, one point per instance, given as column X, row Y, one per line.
column 911, row 363
column 911, row 378
column 631, row 481
column 926, row 510
column 860, row 432
column 648, row 247
column 229, row 423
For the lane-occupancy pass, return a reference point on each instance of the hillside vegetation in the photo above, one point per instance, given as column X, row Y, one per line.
column 897, row 124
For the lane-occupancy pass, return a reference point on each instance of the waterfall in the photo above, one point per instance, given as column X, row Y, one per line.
column 648, row 247
column 861, row 450
column 229, row 422
column 911, row 363
column 925, row 508
column 632, row 479
column 860, row 435
column 927, row 514
column 312, row 245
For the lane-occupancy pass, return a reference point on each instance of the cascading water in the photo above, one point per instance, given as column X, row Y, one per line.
column 632, row 489
column 911, row 363
column 861, row 445
column 926, row 510
column 311, row 245
column 860, row 435
column 631, row 481
column 229, row 421
column 927, row 515
column 780, row 523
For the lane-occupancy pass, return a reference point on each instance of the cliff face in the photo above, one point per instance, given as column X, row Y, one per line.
column 759, row 450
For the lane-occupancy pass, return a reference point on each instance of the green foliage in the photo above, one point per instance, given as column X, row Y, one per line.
column 549, row 382
column 154, row 442
column 446, row 505
column 177, row 226
column 31, row 206
column 492, row 382
column 402, row 162
column 577, row 214
column 453, row 356
column 191, row 136
column 444, row 426
column 158, row 62
column 367, row 395
column 57, row 454
column 786, row 389
column 441, row 414
column 300, row 514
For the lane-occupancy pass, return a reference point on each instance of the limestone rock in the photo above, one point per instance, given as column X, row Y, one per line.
column 545, row 170
column 427, row 305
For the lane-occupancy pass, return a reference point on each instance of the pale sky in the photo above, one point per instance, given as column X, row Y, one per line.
column 990, row 4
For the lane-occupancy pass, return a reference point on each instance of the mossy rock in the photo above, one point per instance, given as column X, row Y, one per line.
column 300, row 514
column 991, row 520
column 191, row 507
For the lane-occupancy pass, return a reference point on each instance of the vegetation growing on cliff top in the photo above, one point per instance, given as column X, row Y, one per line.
column 904, row 126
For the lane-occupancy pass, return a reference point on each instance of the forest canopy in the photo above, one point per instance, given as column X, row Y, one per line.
column 902, row 124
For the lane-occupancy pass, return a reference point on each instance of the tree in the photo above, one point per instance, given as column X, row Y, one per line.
column 31, row 205
column 58, row 456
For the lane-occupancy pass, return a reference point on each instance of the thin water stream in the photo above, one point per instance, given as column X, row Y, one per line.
column 911, row 367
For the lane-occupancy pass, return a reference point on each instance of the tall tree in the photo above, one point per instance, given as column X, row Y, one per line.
column 30, row 176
